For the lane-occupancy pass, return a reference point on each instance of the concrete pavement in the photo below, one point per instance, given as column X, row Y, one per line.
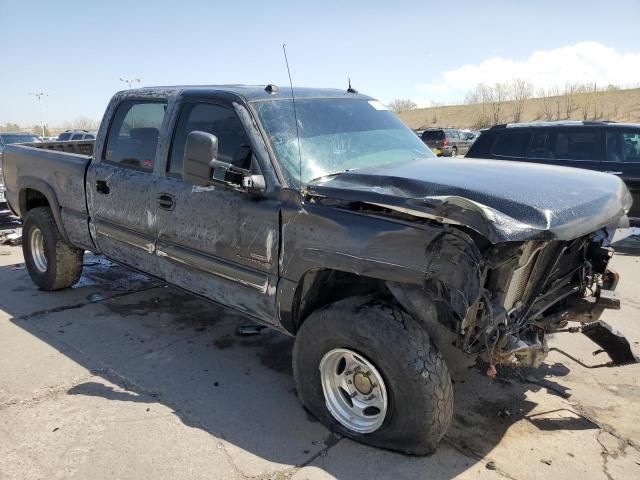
column 121, row 377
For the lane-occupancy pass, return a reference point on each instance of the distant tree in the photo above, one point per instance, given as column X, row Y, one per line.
column 521, row 91
column 12, row 127
column 498, row 94
column 570, row 90
column 547, row 103
column 479, row 99
column 401, row 105
column 85, row 123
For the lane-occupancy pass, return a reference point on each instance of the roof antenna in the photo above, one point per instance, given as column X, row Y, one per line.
column 350, row 89
column 295, row 113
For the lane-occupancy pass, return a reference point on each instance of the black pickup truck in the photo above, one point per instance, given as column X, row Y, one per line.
column 328, row 219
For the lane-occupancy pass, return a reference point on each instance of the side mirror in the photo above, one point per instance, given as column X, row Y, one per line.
column 201, row 167
column 201, row 148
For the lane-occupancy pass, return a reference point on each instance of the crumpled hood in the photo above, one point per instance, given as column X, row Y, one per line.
column 502, row 200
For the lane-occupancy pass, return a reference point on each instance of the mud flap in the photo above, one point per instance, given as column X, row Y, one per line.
column 611, row 341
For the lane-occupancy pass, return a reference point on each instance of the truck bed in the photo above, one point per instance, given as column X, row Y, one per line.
column 50, row 169
column 82, row 147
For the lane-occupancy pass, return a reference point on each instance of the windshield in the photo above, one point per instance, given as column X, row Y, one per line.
column 336, row 135
column 7, row 139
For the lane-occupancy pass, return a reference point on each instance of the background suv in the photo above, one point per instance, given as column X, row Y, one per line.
column 446, row 142
column 76, row 135
column 604, row 146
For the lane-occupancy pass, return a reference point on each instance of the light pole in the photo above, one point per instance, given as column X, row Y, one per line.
column 39, row 95
column 130, row 81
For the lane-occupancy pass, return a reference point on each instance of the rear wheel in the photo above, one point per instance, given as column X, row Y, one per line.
column 454, row 152
column 52, row 263
column 368, row 371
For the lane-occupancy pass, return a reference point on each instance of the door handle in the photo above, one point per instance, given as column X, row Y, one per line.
column 613, row 173
column 102, row 187
column 166, row 201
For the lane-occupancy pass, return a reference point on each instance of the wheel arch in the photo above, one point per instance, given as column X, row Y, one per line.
column 33, row 193
column 319, row 287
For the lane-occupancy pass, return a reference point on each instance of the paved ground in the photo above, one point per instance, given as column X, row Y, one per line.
column 121, row 377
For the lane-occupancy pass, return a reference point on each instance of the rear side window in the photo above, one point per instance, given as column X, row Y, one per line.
column 433, row 135
column 512, row 144
column 77, row 136
column 541, row 146
column 623, row 147
column 577, row 145
column 233, row 146
column 64, row 136
column 133, row 134
column 481, row 148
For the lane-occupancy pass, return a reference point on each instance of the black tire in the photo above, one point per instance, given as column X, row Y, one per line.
column 63, row 261
column 420, row 396
column 454, row 152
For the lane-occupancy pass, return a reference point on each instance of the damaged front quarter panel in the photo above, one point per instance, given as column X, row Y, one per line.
column 489, row 284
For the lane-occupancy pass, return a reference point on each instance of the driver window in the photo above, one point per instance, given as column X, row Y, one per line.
column 233, row 146
column 623, row 147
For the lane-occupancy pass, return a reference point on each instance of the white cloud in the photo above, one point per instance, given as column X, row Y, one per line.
column 582, row 62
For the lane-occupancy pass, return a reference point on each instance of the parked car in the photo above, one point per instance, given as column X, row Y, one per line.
column 7, row 139
column 339, row 226
column 470, row 135
column 603, row 146
column 446, row 142
column 76, row 135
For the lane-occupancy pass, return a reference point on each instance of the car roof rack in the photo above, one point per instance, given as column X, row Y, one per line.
column 557, row 123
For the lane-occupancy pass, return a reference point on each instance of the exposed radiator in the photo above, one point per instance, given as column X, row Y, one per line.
column 522, row 274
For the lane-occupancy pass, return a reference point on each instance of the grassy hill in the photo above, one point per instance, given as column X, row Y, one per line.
column 615, row 105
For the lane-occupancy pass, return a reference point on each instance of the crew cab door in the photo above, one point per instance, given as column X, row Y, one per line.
column 120, row 185
column 215, row 241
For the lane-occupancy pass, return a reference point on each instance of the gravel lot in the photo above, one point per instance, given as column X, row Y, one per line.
column 122, row 377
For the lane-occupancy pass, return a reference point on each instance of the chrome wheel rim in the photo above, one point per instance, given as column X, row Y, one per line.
column 354, row 390
column 38, row 255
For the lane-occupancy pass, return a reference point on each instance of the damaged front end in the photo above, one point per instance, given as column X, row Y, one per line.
column 522, row 251
column 501, row 303
column 535, row 288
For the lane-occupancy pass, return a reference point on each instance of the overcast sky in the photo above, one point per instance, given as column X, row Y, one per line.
column 76, row 51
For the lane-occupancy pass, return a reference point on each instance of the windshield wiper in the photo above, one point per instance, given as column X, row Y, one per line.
column 331, row 175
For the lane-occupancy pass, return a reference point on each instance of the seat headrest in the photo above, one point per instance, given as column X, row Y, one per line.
column 144, row 133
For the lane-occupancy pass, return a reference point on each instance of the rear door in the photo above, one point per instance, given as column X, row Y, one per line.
column 511, row 145
column 214, row 241
column 120, row 185
column 567, row 147
column 623, row 159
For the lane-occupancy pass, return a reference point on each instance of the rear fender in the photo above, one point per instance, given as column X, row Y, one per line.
column 32, row 183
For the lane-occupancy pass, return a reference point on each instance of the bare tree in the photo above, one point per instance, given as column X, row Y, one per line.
column 498, row 95
column 570, row 90
column 584, row 98
column 401, row 105
column 84, row 123
column 547, row 103
column 521, row 91
column 478, row 98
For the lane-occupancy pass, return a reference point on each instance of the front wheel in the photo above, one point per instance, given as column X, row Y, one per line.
column 367, row 370
column 52, row 263
column 454, row 152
